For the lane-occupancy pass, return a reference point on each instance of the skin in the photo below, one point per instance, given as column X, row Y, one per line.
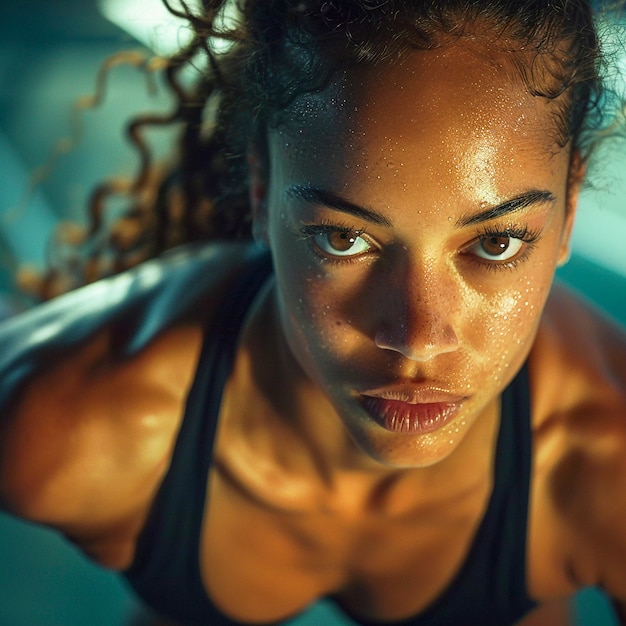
column 304, row 483
column 418, row 304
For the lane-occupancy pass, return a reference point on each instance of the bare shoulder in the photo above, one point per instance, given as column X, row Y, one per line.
column 578, row 370
column 578, row 365
column 92, row 389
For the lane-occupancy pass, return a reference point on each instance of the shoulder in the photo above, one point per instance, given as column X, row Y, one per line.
column 578, row 373
column 578, row 359
column 92, row 389
column 151, row 296
column 135, row 307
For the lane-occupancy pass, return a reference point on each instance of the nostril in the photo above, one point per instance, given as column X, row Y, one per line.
column 419, row 345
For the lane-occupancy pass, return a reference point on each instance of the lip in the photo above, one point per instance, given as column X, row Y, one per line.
column 412, row 410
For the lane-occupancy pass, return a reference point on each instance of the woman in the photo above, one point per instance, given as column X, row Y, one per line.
column 384, row 402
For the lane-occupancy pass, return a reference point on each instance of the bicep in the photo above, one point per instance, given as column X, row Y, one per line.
column 81, row 444
column 592, row 503
column 41, row 429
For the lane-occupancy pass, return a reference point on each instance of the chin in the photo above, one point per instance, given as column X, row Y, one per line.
column 409, row 451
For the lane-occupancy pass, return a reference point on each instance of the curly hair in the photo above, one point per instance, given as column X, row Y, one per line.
column 281, row 49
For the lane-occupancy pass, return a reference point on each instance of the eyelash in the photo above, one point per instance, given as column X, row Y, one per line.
column 522, row 232
column 325, row 227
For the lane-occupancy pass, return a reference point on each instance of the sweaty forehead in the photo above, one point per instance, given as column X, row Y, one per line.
column 433, row 98
column 457, row 120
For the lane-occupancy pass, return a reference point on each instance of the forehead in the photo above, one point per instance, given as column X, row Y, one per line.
column 463, row 80
column 459, row 108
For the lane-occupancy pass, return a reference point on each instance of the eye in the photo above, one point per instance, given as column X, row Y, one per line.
column 505, row 247
column 502, row 247
column 333, row 241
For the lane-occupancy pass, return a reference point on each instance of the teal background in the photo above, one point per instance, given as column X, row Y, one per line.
column 49, row 55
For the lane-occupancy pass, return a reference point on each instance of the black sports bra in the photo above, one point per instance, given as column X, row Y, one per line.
column 489, row 589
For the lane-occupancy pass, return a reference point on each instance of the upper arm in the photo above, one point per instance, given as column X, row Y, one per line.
column 590, row 480
column 92, row 390
column 89, row 436
column 89, row 401
column 590, row 495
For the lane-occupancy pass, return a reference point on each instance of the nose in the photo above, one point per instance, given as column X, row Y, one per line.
column 417, row 323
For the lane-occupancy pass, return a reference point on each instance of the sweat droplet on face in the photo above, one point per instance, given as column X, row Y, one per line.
column 408, row 155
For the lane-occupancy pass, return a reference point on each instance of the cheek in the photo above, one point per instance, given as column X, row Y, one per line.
column 507, row 318
column 502, row 331
column 323, row 319
column 320, row 310
column 319, row 304
column 303, row 296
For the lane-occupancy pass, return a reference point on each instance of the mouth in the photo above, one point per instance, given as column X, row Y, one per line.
column 412, row 411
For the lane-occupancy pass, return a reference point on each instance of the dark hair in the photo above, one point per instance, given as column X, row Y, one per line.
column 286, row 47
column 281, row 49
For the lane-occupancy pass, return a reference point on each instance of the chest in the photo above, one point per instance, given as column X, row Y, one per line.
column 260, row 564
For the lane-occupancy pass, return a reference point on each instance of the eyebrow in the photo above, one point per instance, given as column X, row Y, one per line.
column 519, row 203
column 333, row 201
column 316, row 195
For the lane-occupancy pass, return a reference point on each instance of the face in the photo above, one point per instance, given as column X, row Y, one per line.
column 415, row 213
